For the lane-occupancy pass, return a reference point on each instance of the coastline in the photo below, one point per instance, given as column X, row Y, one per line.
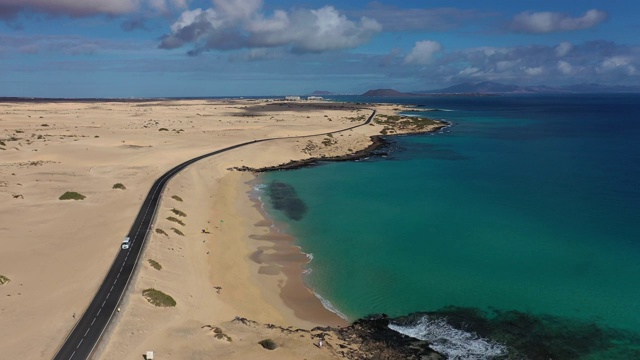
column 282, row 255
column 87, row 147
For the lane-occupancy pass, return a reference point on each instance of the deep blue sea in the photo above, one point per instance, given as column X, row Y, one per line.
column 521, row 220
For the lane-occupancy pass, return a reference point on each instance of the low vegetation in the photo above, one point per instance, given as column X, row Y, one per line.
column 154, row 264
column 177, row 198
column 175, row 220
column 328, row 141
column 218, row 333
column 358, row 118
column 268, row 344
column 72, row 195
column 177, row 231
column 162, row 232
column 119, row 186
column 163, row 129
column 392, row 123
column 158, row 298
column 178, row 212
column 4, row 280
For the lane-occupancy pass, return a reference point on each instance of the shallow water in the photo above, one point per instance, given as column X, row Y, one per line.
column 527, row 204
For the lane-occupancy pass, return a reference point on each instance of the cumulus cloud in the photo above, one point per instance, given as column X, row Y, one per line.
column 623, row 64
column 423, row 52
column 79, row 8
column 565, row 68
column 594, row 61
column 563, row 48
column 534, row 71
column 394, row 18
column 548, row 22
column 242, row 24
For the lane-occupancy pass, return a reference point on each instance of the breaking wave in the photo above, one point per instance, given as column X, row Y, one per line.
column 451, row 342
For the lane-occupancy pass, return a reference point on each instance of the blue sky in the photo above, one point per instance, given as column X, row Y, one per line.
column 157, row 48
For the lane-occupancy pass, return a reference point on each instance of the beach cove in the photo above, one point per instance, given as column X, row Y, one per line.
column 219, row 258
column 517, row 224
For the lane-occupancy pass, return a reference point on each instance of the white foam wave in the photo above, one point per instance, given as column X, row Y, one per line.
column 309, row 256
column 453, row 343
column 329, row 306
column 259, row 187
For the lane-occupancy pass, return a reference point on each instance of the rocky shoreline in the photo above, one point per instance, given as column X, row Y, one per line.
column 376, row 148
column 378, row 142
column 367, row 338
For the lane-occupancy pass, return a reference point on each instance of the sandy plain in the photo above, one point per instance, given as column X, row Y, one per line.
column 55, row 253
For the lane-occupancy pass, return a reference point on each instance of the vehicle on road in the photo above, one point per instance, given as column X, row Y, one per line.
column 125, row 243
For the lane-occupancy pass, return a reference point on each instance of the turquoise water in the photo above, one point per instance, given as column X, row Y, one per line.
column 529, row 204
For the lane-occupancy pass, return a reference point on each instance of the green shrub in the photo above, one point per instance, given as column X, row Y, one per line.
column 154, row 264
column 158, row 298
column 72, row 195
column 4, row 280
column 178, row 212
column 177, row 231
column 175, row 220
column 268, row 344
column 177, row 198
column 160, row 231
column 119, row 186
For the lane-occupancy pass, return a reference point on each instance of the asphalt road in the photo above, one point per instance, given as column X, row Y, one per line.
column 84, row 337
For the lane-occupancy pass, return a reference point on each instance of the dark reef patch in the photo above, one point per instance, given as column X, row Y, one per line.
column 284, row 198
column 537, row 337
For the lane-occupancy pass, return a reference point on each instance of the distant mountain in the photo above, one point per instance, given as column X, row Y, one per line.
column 322, row 92
column 387, row 93
column 482, row 87
column 598, row 88
column 489, row 87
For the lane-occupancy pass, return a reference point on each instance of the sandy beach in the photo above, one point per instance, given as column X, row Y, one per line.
column 222, row 260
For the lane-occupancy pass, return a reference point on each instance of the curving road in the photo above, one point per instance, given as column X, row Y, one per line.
column 84, row 337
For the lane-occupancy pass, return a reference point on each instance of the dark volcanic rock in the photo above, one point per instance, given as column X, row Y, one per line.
column 378, row 147
column 375, row 340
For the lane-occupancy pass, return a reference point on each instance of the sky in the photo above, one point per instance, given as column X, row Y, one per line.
column 183, row 48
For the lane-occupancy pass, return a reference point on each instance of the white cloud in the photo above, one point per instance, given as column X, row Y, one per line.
column 505, row 65
column 242, row 24
column 566, row 68
column 78, row 8
column 563, row 48
column 470, row 71
column 534, row 71
column 547, row 22
column 423, row 52
column 618, row 63
column 394, row 18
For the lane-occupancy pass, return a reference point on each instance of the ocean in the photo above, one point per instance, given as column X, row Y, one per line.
column 515, row 232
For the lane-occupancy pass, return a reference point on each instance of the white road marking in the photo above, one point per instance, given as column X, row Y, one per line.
column 94, row 320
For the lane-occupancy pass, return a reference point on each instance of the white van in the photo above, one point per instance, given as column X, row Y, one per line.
column 125, row 243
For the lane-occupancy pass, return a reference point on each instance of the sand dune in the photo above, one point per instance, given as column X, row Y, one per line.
column 55, row 252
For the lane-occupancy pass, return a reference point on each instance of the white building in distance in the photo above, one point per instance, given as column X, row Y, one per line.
column 292, row 98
